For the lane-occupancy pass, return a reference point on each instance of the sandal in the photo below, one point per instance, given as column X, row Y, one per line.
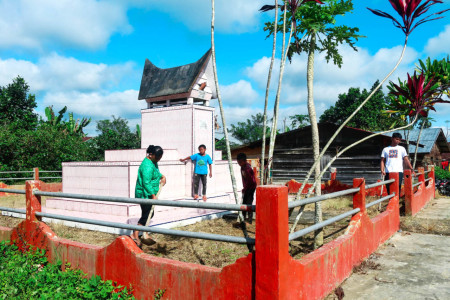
column 137, row 242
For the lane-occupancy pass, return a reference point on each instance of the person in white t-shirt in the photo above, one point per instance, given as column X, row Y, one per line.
column 392, row 159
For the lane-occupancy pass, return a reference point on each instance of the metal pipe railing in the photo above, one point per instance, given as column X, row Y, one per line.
column 380, row 200
column 189, row 234
column 14, row 210
column 297, row 203
column 428, row 179
column 15, row 172
column 12, row 191
column 50, row 171
column 427, row 172
column 369, row 186
column 50, row 177
column 17, row 178
column 416, row 184
column 320, row 225
column 188, row 204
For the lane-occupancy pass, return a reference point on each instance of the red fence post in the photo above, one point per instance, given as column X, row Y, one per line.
column 432, row 175
column 33, row 201
column 393, row 187
column 359, row 198
column 408, row 191
column 272, row 243
column 421, row 171
column 36, row 174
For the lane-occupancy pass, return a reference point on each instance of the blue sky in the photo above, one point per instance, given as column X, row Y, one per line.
column 89, row 55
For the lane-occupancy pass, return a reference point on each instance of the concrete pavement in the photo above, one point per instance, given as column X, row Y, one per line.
column 408, row 266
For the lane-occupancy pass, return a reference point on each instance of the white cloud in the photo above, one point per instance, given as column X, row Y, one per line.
column 59, row 73
column 231, row 16
column 85, row 24
column 360, row 69
column 239, row 93
column 98, row 105
column 439, row 44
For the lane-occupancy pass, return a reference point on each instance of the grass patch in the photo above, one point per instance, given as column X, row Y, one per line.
column 29, row 275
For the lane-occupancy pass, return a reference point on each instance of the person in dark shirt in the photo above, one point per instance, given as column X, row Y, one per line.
column 249, row 183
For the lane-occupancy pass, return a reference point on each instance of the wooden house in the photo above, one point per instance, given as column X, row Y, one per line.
column 293, row 155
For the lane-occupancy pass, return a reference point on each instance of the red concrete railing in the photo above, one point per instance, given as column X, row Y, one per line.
column 47, row 187
column 269, row 272
column 416, row 199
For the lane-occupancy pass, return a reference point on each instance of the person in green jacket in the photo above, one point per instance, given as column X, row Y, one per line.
column 147, row 185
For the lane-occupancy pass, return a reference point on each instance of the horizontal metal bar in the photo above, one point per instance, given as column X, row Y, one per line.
column 369, row 186
column 50, row 171
column 189, row 234
column 416, row 184
column 12, row 191
column 428, row 179
column 427, row 172
column 50, row 177
column 297, row 203
column 14, row 210
column 17, row 178
column 317, row 226
column 15, row 172
column 190, row 204
column 380, row 200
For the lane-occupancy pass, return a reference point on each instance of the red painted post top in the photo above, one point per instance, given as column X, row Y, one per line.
column 33, row 202
column 36, row 174
column 359, row 198
column 272, row 243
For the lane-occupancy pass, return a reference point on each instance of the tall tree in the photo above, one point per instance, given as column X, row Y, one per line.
column 299, row 121
column 371, row 117
column 224, row 123
column 317, row 24
column 17, row 104
column 249, row 131
column 113, row 134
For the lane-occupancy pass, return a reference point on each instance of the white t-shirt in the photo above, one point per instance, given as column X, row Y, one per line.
column 394, row 158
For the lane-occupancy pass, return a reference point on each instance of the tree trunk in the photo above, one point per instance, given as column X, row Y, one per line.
column 417, row 144
column 273, row 132
column 269, row 77
column 225, row 131
column 318, row 235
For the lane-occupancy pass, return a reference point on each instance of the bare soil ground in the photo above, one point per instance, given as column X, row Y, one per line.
column 211, row 253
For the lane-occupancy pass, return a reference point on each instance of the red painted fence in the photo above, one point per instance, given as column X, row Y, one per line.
column 267, row 273
column 416, row 199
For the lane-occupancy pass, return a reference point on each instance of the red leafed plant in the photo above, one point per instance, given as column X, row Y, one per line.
column 410, row 11
column 416, row 96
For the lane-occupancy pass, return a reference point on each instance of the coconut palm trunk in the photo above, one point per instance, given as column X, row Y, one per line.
column 417, row 143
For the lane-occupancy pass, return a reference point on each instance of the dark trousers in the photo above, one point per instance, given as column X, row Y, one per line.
column 247, row 199
column 400, row 180
column 197, row 178
column 145, row 208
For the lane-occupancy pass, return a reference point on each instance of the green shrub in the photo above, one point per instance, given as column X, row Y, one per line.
column 441, row 173
column 29, row 275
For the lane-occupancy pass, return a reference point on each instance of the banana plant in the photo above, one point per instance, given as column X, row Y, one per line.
column 76, row 127
column 51, row 119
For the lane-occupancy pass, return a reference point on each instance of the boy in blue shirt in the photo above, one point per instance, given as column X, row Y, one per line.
column 201, row 161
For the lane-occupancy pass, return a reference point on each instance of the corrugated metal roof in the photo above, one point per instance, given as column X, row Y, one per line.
column 158, row 82
column 428, row 138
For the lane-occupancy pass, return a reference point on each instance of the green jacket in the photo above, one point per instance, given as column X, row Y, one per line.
column 147, row 182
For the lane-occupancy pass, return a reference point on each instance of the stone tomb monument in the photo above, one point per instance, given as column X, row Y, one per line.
column 179, row 119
